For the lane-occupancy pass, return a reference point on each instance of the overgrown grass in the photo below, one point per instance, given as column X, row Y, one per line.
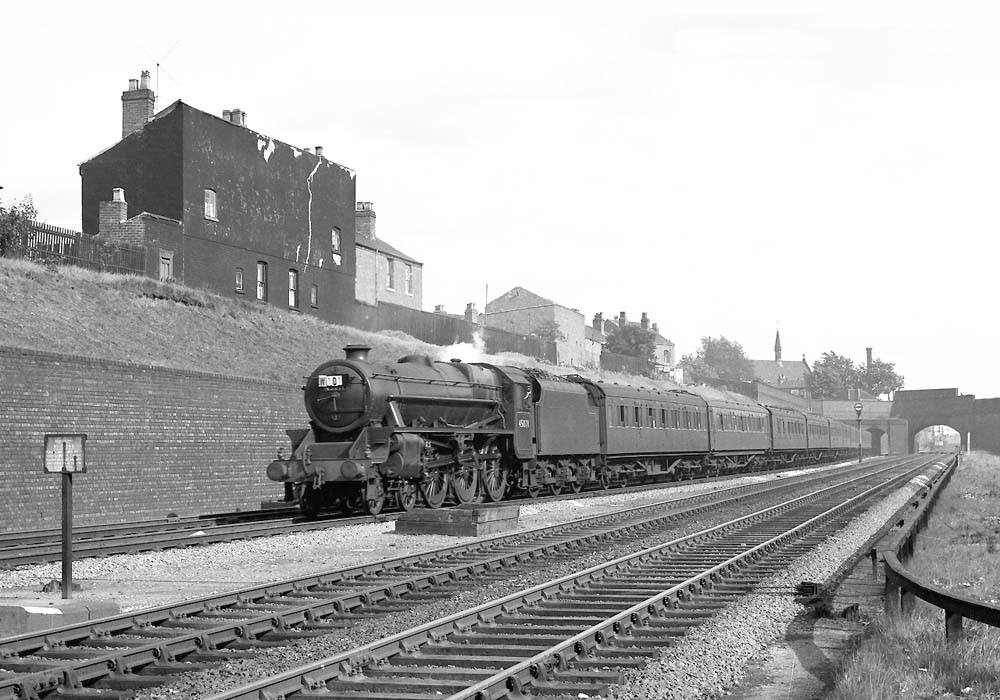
column 71, row 310
column 908, row 657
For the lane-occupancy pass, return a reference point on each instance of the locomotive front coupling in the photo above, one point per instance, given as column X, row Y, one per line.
column 376, row 451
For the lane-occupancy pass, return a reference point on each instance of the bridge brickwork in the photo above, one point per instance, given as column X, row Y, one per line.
column 972, row 418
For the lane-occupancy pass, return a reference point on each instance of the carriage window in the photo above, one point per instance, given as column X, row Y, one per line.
column 635, row 410
column 621, row 415
column 652, row 420
column 663, row 417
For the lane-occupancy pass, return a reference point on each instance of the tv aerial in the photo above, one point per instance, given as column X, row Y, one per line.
column 156, row 97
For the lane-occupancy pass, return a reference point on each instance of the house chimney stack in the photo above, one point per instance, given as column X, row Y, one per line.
column 319, row 150
column 439, row 308
column 869, row 352
column 364, row 222
column 138, row 105
column 644, row 322
column 622, row 319
column 471, row 315
column 599, row 322
column 110, row 214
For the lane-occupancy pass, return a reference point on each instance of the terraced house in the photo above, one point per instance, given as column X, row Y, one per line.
column 226, row 208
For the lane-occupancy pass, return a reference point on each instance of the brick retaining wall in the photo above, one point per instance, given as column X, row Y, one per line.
column 159, row 441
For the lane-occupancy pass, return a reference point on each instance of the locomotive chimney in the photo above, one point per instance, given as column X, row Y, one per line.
column 357, row 352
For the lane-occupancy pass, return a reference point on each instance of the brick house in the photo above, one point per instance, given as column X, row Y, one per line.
column 791, row 376
column 524, row 312
column 225, row 208
column 664, row 353
column 384, row 273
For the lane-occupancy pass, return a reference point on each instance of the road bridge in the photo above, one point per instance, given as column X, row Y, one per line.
column 975, row 420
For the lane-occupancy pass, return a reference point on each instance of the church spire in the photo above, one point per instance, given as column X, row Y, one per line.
column 777, row 346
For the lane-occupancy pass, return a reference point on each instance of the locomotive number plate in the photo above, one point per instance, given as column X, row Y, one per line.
column 330, row 381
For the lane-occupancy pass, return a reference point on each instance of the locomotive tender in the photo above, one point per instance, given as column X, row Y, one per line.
column 387, row 432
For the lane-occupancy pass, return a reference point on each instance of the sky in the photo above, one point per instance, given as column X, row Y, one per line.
column 829, row 169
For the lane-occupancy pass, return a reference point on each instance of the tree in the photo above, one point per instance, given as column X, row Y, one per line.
column 880, row 378
column 832, row 377
column 835, row 377
column 634, row 341
column 15, row 224
column 717, row 359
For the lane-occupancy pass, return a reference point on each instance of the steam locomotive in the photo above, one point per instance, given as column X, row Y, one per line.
column 461, row 432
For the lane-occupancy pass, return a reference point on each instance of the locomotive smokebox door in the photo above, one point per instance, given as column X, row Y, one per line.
column 523, row 434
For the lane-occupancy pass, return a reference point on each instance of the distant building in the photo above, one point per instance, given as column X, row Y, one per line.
column 524, row 312
column 787, row 376
column 384, row 273
column 225, row 208
column 664, row 354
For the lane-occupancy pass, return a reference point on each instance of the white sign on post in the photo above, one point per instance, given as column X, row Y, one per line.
column 64, row 454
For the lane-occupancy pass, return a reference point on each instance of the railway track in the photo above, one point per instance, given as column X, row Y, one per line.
column 575, row 636
column 113, row 657
column 44, row 546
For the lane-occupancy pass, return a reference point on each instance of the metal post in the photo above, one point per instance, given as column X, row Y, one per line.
column 67, row 535
column 859, row 438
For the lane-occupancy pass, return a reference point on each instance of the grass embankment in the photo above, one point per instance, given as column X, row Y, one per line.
column 71, row 310
column 907, row 658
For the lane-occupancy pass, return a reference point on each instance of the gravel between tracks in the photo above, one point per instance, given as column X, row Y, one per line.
column 714, row 656
column 155, row 578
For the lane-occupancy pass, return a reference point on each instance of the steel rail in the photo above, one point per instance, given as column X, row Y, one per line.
column 347, row 675
column 162, row 634
column 45, row 546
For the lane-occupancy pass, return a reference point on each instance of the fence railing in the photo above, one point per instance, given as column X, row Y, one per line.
column 50, row 244
column 902, row 588
column 626, row 364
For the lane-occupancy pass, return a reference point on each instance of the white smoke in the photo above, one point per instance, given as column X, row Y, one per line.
column 466, row 352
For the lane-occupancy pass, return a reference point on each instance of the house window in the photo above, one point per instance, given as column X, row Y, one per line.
column 314, row 296
column 239, row 280
column 335, row 245
column 166, row 265
column 261, row 281
column 408, row 281
column 293, row 289
column 390, row 274
column 210, row 210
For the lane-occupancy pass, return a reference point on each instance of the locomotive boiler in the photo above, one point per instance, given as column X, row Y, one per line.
column 383, row 432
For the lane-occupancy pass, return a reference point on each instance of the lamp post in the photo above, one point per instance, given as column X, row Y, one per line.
column 858, row 407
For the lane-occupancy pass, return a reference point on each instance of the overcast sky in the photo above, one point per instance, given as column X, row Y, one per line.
column 827, row 168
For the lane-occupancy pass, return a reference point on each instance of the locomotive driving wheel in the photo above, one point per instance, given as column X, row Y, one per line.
column 465, row 482
column 434, row 487
column 494, row 475
column 375, row 497
column 407, row 495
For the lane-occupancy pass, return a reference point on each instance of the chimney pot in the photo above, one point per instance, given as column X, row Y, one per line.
column 357, row 352
column 118, row 195
column 133, row 84
column 439, row 308
column 144, row 80
column 227, row 114
column 239, row 117
column 319, row 150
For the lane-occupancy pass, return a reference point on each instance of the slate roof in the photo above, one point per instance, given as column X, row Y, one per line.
column 386, row 249
column 790, row 374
